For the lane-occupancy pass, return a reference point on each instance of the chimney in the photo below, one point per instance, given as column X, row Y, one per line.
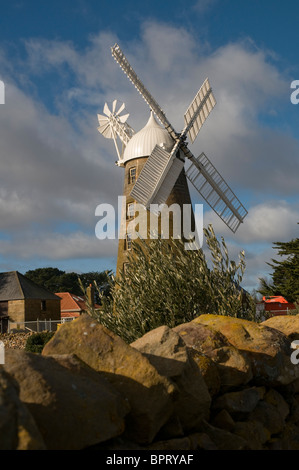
column 90, row 295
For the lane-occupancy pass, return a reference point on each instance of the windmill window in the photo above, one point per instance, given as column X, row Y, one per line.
column 125, row 268
column 128, row 244
column 130, row 210
column 132, row 175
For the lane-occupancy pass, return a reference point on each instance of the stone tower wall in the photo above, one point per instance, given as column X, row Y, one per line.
column 179, row 195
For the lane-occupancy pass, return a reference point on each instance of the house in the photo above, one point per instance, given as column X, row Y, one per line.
column 72, row 306
column 275, row 305
column 22, row 300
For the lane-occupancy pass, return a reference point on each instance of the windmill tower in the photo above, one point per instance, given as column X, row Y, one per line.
column 154, row 159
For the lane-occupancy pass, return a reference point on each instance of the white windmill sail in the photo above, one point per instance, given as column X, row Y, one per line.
column 157, row 177
column 129, row 71
column 162, row 169
column 199, row 109
column 220, row 197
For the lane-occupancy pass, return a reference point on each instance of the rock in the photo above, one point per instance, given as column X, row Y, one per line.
column 150, row 395
column 201, row 337
column 241, row 401
column 193, row 442
column 224, row 440
column 253, row 432
column 268, row 349
column 209, row 371
column 286, row 324
column 294, row 409
column 18, row 430
column 269, row 416
column 223, row 420
column 234, row 367
column 173, row 428
column 202, row 441
column 168, row 353
column 165, row 350
column 288, row 439
column 72, row 405
column 275, row 398
column 183, row 443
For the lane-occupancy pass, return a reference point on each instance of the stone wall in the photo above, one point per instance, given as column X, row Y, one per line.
column 33, row 310
column 216, row 383
column 16, row 310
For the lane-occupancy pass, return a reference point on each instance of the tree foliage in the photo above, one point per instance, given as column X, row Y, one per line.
column 285, row 276
column 57, row 280
column 165, row 284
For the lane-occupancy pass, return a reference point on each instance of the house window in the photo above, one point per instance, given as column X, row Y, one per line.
column 128, row 242
column 43, row 306
column 130, row 210
column 132, row 175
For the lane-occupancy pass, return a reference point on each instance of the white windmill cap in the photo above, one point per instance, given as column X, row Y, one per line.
column 143, row 142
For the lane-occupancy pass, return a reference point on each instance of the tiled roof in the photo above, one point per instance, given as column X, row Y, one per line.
column 15, row 286
column 71, row 302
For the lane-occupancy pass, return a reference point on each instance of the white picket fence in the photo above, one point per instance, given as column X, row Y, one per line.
column 36, row 326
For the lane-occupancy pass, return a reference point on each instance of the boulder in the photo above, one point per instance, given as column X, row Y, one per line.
column 168, row 353
column 72, row 405
column 224, row 440
column 286, row 324
column 149, row 394
column 209, row 370
column 223, row 420
column 269, row 350
column 269, row 416
column 293, row 403
column 276, row 399
column 197, row 441
column 241, row 401
column 18, row 430
column 233, row 365
column 253, row 432
column 288, row 439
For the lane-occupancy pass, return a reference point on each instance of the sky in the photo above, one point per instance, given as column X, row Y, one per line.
column 58, row 72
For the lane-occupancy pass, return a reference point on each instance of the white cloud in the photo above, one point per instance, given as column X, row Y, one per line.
column 57, row 246
column 265, row 223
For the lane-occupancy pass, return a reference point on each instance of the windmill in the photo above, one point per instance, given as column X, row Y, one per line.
column 166, row 161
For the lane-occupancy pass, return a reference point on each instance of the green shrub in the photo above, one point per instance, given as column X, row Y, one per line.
column 165, row 284
column 36, row 342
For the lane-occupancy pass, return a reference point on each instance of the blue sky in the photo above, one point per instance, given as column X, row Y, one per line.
column 55, row 167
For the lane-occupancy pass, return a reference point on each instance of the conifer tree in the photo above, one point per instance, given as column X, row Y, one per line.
column 285, row 276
